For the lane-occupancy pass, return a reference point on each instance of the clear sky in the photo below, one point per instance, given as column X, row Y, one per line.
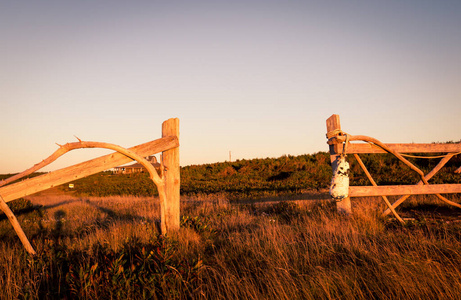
column 258, row 78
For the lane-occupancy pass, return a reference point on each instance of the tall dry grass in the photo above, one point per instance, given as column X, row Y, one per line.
column 109, row 248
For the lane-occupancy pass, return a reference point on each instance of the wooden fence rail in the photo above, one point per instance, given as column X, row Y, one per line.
column 43, row 182
column 340, row 145
column 168, row 145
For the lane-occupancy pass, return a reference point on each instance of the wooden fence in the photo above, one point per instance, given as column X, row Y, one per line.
column 340, row 144
column 169, row 182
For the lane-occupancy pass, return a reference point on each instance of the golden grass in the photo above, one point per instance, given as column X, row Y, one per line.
column 281, row 250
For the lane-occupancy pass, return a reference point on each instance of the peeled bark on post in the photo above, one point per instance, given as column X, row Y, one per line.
column 344, row 206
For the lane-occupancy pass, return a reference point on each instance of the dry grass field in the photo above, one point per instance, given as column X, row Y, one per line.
column 109, row 248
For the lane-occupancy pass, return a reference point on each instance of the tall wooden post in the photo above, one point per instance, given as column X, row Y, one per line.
column 170, row 160
column 333, row 123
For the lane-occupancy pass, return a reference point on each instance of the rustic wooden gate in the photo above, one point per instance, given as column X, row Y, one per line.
column 340, row 144
column 168, row 182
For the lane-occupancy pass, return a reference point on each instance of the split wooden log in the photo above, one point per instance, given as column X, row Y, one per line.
column 361, row 148
column 398, row 190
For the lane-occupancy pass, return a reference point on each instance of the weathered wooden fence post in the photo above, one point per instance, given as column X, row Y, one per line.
column 170, row 161
column 333, row 123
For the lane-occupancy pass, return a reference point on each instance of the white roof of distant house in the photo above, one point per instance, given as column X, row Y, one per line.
column 152, row 159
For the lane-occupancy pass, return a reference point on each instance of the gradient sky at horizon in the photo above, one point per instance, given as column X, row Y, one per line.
column 258, row 78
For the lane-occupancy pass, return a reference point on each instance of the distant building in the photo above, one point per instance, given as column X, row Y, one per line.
column 136, row 167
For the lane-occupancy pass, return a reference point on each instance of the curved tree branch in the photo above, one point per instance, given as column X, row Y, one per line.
column 63, row 149
column 157, row 180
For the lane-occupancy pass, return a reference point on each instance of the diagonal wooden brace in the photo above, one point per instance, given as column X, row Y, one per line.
column 373, row 182
column 429, row 175
column 22, row 236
